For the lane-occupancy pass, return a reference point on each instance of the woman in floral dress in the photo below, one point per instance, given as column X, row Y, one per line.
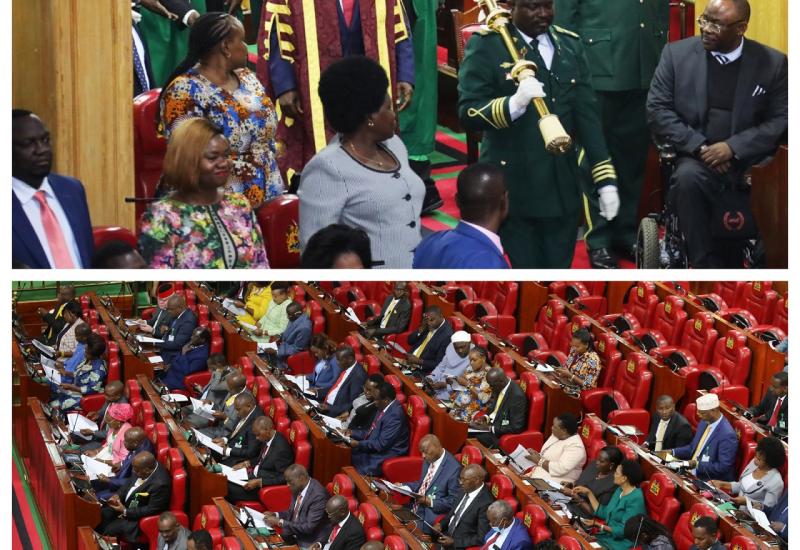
column 583, row 364
column 199, row 225
column 213, row 82
column 476, row 392
column 89, row 376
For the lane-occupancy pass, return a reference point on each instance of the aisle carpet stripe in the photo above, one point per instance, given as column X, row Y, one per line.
column 27, row 524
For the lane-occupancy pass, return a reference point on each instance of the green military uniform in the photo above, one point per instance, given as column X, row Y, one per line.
column 623, row 41
column 544, row 192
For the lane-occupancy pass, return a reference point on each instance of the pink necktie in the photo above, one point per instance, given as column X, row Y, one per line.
column 52, row 230
column 348, row 7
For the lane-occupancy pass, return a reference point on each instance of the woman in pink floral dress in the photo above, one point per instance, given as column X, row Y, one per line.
column 199, row 225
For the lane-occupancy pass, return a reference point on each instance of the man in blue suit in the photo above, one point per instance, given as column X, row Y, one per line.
column 778, row 515
column 136, row 441
column 712, row 452
column 482, row 198
column 295, row 338
column 386, row 438
column 193, row 358
column 507, row 532
column 438, row 483
column 348, row 386
column 51, row 227
column 180, row 330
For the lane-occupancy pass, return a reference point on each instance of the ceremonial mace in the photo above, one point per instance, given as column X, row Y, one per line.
column 556, row 139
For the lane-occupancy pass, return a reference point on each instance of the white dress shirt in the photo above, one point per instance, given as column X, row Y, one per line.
column 469, row 498
column 335, row 391
column 30, row 206
column 268, row 443
column 731, row 56
column 340, row 524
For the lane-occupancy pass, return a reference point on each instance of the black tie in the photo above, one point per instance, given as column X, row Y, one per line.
column 457, row 514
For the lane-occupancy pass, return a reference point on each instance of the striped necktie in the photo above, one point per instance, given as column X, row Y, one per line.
column 723, row 60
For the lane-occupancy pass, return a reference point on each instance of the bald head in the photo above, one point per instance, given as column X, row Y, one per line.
column 472, row 477
column 336, row 508
column 481, row 194
column 236, row 382
column 497, row 379
column 134, row 437
column 430, row 448
column 143, row 464
column 176, row 304
column 66, row 293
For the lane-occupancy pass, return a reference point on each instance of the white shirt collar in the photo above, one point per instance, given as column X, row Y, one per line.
column 734, row 55
column 438, row 462
column 537, row 38
column 494, row 237
column 25, row 192
column 341, row 523
column 389, row 405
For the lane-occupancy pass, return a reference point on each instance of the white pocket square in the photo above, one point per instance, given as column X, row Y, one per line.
column 758, row 91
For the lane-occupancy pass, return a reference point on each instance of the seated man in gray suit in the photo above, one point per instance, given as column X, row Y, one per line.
column 171, row 534
column 227, row 418
column 722, row 102
column 305, row 522
column 295, row 338
column 213, row 393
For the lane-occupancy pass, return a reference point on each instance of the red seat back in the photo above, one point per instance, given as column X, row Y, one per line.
column 740, row 542
column 419, row 423
column 149, row 148
column 732, row 357
column 469, row 455
column 208, row 518
column 729, row 291
column 575, row 324
column 633, row 381
column 591, row 432
column 276, row 498
column 503, row 489
column 551, row 322
column 301, row 363
column 529, row 383
column 149, row 526
column 699, row 336
column 102, row 234
column 759, row 299
column 781, row 317
column 394, row 542
column 298, row 437
column 160, row 439
column 659, row 498
column 683, row 529
column 569, row 543
column 261, row 392
column 278, row 220
column 370, row 520
column 202, row 315
column 670, row 316
column 610, row 356
column 535, row 519
column 642, row 302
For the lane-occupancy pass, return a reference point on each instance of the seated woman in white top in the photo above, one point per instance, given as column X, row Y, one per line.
column 761, row 479
column 563, row 455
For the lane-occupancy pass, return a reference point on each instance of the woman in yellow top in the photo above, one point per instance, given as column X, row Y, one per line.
column 256, row 302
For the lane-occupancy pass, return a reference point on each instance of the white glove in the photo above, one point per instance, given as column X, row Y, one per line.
column 527, row 90
column 609, row 202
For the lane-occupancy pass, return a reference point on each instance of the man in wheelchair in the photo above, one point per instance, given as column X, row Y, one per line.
column 721, row 102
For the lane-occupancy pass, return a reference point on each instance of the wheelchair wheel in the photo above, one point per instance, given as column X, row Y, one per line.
column 648, row 249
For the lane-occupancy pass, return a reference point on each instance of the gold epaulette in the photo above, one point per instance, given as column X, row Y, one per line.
column 562, row 30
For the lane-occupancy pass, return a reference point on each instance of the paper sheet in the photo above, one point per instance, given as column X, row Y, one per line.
column 206, row 410
column 247, row 326
column 331, row 422
column 398, row 488
column 148, row 339
column 95, row 468
column 478, row 430
column 541, row 367
column 352, row 316
column 264, row 346
column 228, row 304
column 155, row 359
column 239, row 477
column 47, row 361
column 52, row 375
column 175, row 398
column 760, row 517
column 44, row 348
column 78, row 422
column 519, row 459
column 398, row 347
column 299, row 381
column 258, row 518
column 132, row 322
column 205, row 441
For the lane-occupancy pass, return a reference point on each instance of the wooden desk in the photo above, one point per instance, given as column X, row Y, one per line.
column 236, row 345
column 526, row 494
column 389, row 522
column 557, row 401
column 132, row 364
column 51, row 486
column 431, row 298
column 685, row 492
column 337, row 325
column 234, row 528
column 23, row 387
column 204, row 486
column 86, row 540
column 532, row 296
column 770, row 203
column 328, row 458
column 451, row 432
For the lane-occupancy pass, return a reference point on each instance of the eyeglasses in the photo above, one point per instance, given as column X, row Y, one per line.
column 711, row 26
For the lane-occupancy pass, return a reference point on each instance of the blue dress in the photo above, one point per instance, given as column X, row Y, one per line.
column 89, row 377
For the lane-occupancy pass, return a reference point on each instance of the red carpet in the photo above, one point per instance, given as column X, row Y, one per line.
column 24, row 532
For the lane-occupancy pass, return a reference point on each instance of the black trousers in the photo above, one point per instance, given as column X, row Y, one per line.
column 694, row 188
column 113, row 525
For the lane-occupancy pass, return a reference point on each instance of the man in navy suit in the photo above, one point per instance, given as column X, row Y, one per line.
column 295, row 338
column 507, row 532
column 712, row 452
column 51, row 227
column 305, row 522
column 339, row 399
column 482, row 198
column 180, row 331
column 136, row 442
column 386, row 438
column 438, row 482
column 193, row 358
column 427, row 344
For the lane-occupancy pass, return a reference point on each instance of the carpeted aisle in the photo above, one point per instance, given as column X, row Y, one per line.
column 27, row 529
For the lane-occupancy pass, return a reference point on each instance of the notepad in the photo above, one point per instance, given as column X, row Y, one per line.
column 239, row 477
column 155, row 359
column 148, row 339
column 175, row 398
column 94, row 468
column 206, row 442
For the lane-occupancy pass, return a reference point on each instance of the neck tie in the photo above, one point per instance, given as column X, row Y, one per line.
column 329, row 398
column 52, row 230
column 701, row 442
column 426, row 482
column 138, row 68
column 773, row 420
column 348, row 8
column 507, row 259
column 297, row 503
column 545, row 50
column 374, row 423
column 497, row 405
column 662, row 429
column 264, row 453
column 457, row 515
column 490, row 542
column 388, row 313
column 421, row 348
column 334, row 532
column 723, row 60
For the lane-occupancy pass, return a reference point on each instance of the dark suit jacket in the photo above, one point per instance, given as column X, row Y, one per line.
column 434, row 352
column 25, row 247
column 474, row 524
column 243, row 444
column 780, row 512
column 158, row 487
column 387, row 440
column 461, row 248
column 148, row 67
column 398, row 318
column 55, row 324
column 125, row 471
column 179, row 334
column 718, row 456
column 443, row 488
column 160, row 319
column 351, row 388
column 279, row 457
column 294, row 339
column 677, row 104
column 312, row 522
column 767, row 405
column 350, row 536
column 678, row 434
column 185, row 364
column 364, row 416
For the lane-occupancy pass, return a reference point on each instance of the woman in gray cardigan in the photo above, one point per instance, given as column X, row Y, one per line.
column 362, row 178
column 761, row 479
